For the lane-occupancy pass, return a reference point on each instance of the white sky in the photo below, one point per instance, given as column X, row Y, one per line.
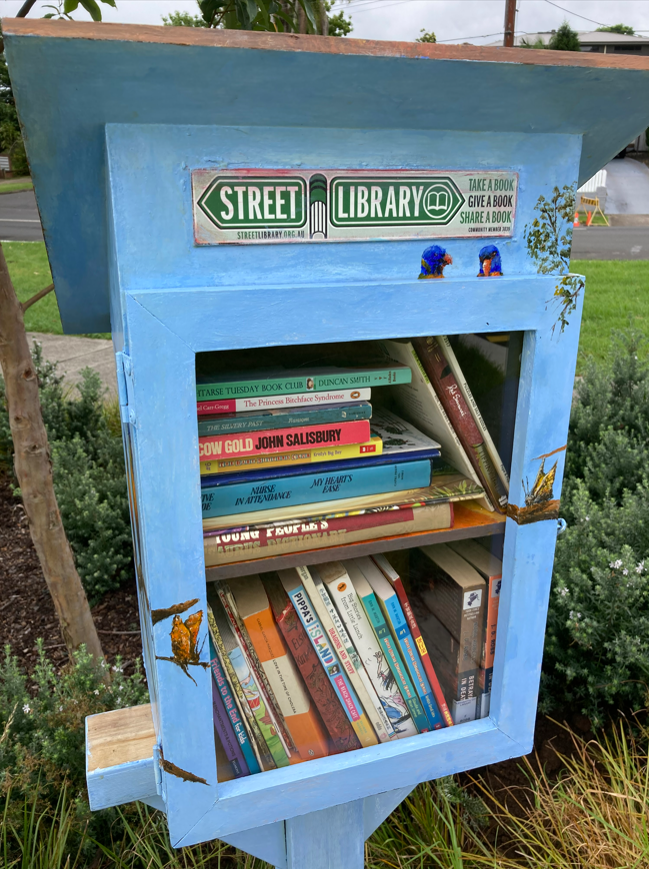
column 479, row 21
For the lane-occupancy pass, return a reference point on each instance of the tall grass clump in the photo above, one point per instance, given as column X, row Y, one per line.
column 594, row 816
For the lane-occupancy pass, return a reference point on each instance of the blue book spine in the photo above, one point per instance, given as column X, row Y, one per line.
column 256, row 421
column 312, row 488
column 275, row 472
column 232, row 712
column 413, row 662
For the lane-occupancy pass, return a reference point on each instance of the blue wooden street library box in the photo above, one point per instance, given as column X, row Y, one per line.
column 138, row 138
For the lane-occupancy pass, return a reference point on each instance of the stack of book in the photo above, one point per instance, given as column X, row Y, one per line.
column 308, row 662
column 297, row 459
column 313, row 661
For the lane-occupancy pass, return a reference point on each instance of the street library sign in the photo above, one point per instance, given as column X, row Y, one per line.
column 261, row 206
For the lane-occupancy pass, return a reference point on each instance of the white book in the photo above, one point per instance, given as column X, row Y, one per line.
column 369, row 650
column 324, row 571
column 327, row 623
column 420, row 403
column 454, row 365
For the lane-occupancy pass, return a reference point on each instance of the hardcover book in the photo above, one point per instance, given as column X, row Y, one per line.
column 393, row 613
column 368, row 648
column 451, row 358
column 388, row 645
column 290, row 400
column 395, row 581
column 454, row 594
column 283, row 418
column 280, row 440
column 313, row 488
column 292, row 582
column 445, row 488
column 300, row 380
column 312, row 455
column 263, row 541
column 341, row 733
column 254, row 698
column 294, row 702
column 383, row 727
column 490, row 568
column 324, row 617
column 420, row 403
column 225, row 732
column 449, row 393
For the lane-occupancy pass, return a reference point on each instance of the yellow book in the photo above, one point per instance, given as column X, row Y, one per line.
column 373, row 447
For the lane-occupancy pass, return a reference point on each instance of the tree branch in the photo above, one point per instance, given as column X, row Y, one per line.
column 40, row 295
column 25, row 8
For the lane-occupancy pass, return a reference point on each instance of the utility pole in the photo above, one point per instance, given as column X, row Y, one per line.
column 510, row 23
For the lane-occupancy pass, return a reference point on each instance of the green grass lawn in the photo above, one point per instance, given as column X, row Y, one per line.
column 16, row 186
column 615, row 292
column 30, row 273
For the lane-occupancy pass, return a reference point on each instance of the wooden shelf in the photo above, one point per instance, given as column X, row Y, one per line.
column 470, row 521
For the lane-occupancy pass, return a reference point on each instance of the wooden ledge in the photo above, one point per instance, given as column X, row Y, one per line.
column 119, row 757
column 199, row 36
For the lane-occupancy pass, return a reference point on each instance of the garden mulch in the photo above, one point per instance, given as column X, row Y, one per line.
column 26, row 609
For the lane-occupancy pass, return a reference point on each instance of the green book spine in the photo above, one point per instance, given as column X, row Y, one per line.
column 392, row 656
column 284, row 384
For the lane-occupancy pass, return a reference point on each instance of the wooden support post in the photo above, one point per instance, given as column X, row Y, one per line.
column 331, row 839
column 510, row 23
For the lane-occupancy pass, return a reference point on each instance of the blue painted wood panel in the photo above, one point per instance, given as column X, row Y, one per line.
column 64, row 116
column 329, row 839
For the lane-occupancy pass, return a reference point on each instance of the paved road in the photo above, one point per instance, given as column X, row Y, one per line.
column 611, row 242
column 19, row 217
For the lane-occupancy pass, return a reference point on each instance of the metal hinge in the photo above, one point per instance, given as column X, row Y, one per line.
column 124, row 369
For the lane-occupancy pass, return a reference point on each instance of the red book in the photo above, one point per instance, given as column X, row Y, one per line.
column 278, row 440
column 340, row 730
column 449, row 393
column 395, row 581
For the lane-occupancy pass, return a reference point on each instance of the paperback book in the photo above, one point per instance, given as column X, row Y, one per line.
column 290, row 400
column 264, row 541
column 286, row 418
column 313, row 455
column 280, row 440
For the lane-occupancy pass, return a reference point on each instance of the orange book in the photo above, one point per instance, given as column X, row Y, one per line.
column 300, row 714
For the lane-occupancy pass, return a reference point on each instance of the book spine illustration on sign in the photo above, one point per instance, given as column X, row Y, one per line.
column 264, row 541
column 251, row 690
column 341, row 733
column 330, row 453
column 395, row 580
column 298, row 381
column 388, row 645
column 448, row 390
column 273, row 402
column 277, row 419
column 291, row 580
column 370, row 704
column 380, row 720
column 369, row 650
column 394, row 617
column 300, row 716
column 420, row 403
column 230, row 708
column 311, row 488
column 256, row 668
column 279, row 440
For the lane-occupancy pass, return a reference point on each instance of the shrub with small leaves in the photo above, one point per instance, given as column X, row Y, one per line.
column 89, row 475
column 596, row 656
